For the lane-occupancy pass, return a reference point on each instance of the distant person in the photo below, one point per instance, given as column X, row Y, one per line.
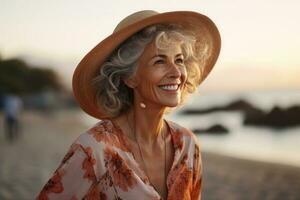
column 129, row 81
column 12, row 106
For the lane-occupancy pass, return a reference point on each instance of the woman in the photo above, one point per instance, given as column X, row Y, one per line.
column 130, row 80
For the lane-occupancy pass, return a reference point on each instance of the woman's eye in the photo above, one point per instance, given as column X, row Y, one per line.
column 179, row 61
column 159, row 62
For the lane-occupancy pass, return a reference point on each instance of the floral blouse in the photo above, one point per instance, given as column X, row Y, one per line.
column 100, row 166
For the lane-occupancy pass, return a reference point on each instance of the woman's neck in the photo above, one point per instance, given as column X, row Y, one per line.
column 148, row 123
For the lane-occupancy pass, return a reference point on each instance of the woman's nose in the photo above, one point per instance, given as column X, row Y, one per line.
column 175, row 71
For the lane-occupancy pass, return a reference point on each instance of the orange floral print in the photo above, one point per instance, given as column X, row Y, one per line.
column 122, row 175
column 88, row 163
column 178, row 140
column 196, row 162
column 95, row 194
column 53, row 185
column 197, row 189
column 181, row 183
column 197, row 178
column 105, row 132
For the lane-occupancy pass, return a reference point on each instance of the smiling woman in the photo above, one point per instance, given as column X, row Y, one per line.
column 149, row 64
column 164, row 45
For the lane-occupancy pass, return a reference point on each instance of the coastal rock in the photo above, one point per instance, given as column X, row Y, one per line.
column 215, row 129
column 277, row 118
column 239, row 105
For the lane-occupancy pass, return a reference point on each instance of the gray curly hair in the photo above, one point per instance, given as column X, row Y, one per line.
column 113, row 95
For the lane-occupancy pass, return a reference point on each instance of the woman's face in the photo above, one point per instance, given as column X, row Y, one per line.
column 160, row 76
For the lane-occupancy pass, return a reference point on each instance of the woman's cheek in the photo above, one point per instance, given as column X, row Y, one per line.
column 183, row 75
column 148, row 89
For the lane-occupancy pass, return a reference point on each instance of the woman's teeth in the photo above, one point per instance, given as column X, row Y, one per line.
column 169, row 87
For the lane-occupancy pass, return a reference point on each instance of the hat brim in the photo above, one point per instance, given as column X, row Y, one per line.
column 203, row 28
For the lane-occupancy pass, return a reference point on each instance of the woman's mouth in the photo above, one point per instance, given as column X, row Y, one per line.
column 169, row 87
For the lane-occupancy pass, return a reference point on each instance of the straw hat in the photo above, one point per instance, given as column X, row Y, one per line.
column 208, row 43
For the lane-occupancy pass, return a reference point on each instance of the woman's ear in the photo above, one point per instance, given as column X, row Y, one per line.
column 131, row 82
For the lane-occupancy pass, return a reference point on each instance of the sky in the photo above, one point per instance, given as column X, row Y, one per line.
column 260, row 39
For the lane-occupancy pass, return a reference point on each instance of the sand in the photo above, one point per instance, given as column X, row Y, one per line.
column 232, row 179
column 27, row 164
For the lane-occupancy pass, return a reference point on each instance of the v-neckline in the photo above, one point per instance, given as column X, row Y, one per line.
column 120, row 133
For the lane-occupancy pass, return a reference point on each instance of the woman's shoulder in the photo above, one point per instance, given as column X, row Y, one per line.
column 102, row 134
column 183, row 132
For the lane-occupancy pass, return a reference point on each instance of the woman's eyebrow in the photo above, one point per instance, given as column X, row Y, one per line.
column 159, row 55
column 164, row 56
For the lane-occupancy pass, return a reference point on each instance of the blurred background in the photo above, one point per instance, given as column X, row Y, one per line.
column 246, row 114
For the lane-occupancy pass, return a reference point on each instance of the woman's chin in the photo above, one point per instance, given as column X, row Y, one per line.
column 171, row 104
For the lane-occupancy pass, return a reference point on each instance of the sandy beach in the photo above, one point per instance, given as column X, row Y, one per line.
column 26, row 164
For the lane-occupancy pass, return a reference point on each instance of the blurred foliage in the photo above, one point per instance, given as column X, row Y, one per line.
column 19, row 78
